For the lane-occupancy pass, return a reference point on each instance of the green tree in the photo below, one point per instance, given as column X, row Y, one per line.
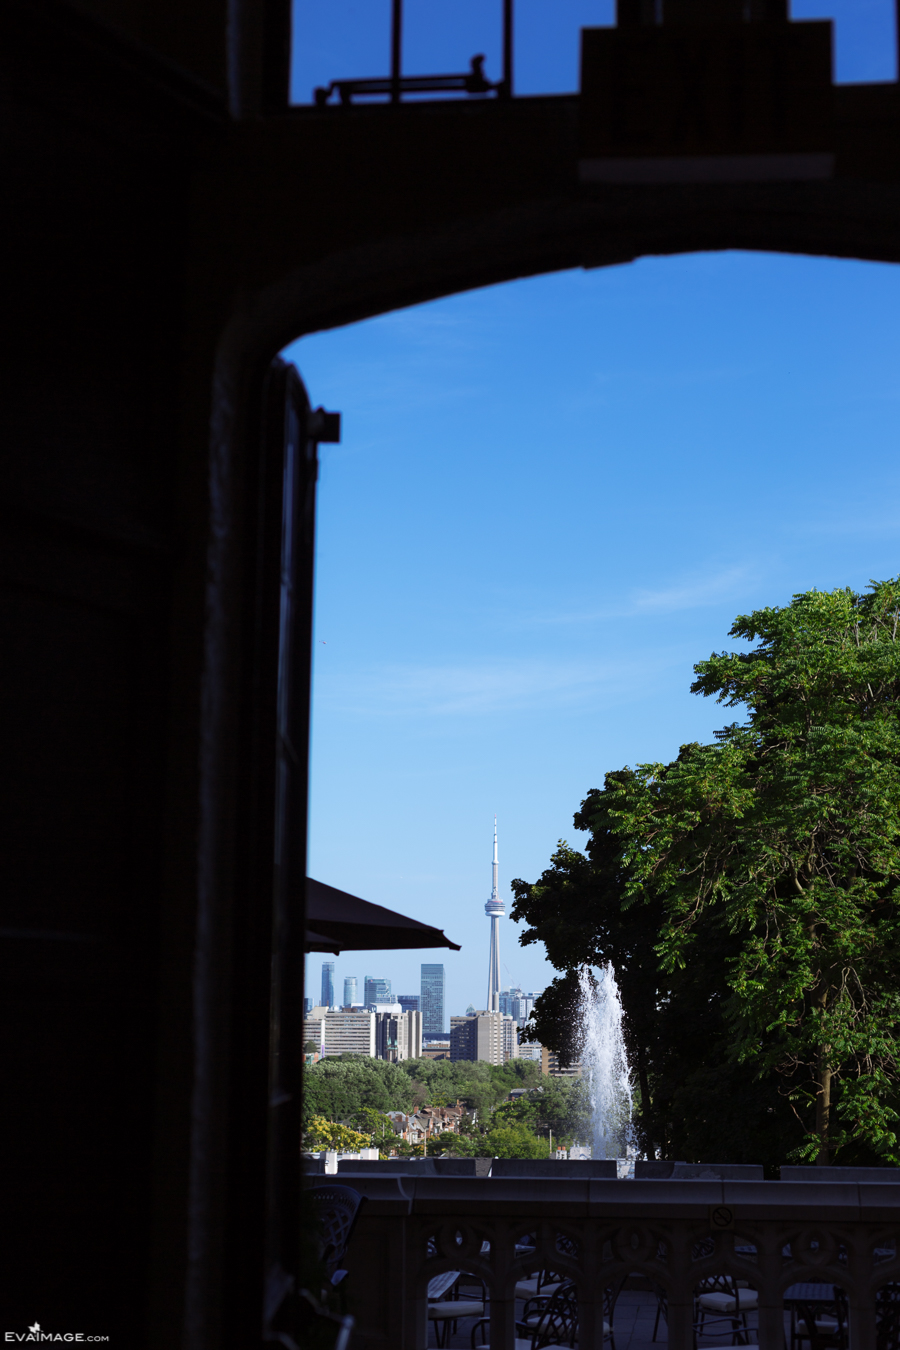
column 513, row 1141
column 378, row 1127
column 322, row 1134
column 338, row 1087
column 692, row 1100
column 785, row 835
column 576, row 910
column 478, row 1085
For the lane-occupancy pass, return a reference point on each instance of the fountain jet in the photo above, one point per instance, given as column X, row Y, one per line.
column 605, row 1064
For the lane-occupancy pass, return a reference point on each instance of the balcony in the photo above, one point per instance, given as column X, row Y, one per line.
column 764, row 1236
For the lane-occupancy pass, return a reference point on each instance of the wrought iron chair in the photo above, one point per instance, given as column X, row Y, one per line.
column 534, row 1308
column 887, row 1318
column 447, row 1311
column 538, row 1288
column 723, row 1300
column 736, row 1328
column 555, row 1328
column 821, row 1330
column 336, row 1209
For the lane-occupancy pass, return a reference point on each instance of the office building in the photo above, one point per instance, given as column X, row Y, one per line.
column 349, row 990
column 410, row 1002
column 486, row 1036
column 307, row 1006
column 509, row 1038
column 348, row 1033
column 376, row 991
column 517, row 1004
column 512, row 1003
column 432, row 1001
column 327, row 999
column 550, row 1065
column 398, row 1034
column 532, row 1051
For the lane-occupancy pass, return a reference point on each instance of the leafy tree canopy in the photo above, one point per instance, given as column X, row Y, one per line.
column 748, row 892
column 478, row 1085
column 338, row 1087
column 322, row 1134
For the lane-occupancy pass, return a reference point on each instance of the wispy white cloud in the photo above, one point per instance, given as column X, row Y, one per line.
column 476, row 688
column 695, row 591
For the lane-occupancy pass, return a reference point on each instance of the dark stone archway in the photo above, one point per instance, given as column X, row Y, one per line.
column 172, row 224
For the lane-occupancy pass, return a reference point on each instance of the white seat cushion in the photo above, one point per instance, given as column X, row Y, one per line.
column 825, row 1324
column 453, row 1308
column 528, row 1289
column 727, row 1303
column 526, row 1345
column 519, row 1345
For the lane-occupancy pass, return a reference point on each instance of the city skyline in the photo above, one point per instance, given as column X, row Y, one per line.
column 512, row 1001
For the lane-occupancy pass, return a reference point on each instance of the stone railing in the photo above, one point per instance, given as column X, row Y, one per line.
column 770, row 1235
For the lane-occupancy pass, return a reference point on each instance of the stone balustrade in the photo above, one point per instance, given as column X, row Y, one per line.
column 769, row 1234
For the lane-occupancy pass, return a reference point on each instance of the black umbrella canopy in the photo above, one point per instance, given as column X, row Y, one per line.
column 338, row 922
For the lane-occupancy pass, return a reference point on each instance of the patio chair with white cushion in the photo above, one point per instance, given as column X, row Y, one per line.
column 740, row 1305
column 725, row 1300
column 446, row 1308
column 555, row 1329
column 544, row 1285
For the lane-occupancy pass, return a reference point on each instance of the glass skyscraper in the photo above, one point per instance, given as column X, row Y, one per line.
column 349, row 989
column 327, row 984
column 409, row 1002
column 376, row 991
column 432, row 1000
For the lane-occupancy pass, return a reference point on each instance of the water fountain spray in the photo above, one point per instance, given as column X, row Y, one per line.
column 605, row 1064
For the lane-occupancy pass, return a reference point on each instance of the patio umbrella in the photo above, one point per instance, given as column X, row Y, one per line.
column 338, row 922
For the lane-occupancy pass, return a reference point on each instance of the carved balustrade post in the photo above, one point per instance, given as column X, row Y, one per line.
column 681, row 1289
column 503, row 1292
column 766, row 1281
column 771, row 1323
column 590, row 1288
column 414, row 1294
column 862, row 1319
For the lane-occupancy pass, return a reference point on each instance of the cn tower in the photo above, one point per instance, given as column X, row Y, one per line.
column 495, row 912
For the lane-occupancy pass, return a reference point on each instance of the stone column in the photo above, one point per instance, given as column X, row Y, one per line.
column 771, row 1322
column 862, row 1320
column 681, row 1317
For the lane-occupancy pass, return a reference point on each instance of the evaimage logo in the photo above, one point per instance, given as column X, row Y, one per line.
column 35, row 1334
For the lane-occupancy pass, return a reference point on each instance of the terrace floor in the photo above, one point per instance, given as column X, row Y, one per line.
column 632, row 1327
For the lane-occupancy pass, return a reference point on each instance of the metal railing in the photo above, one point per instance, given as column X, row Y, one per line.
column 395, row 85
column 680, row 1235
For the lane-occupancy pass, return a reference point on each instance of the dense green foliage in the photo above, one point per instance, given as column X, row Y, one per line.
column 747, row 894
column 341, row 1087
column 478, row 1085
column 693, row 1101
column 358, row 1091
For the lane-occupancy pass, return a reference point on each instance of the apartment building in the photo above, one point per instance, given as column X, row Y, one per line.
column 483, row 1035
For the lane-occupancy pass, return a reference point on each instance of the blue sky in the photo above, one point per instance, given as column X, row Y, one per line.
column 350, row 38
column 551, row 499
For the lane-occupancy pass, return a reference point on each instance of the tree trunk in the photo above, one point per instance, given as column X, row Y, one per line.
column 823, row 1108
column 646, row 1103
